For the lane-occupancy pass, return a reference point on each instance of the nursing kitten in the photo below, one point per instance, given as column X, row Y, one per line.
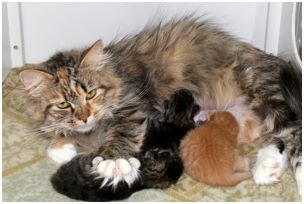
column 209, row 152
column 161, row 165
column 110, row 92
column 249, row 123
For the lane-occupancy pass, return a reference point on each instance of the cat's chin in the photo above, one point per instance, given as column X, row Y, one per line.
column 85, row 128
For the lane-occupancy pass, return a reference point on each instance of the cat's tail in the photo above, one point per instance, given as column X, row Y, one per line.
column 291, row 85
column 75, row 180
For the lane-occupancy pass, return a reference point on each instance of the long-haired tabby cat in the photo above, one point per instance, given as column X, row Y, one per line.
column 109, row 92
column 160, row 167
column 209, row 152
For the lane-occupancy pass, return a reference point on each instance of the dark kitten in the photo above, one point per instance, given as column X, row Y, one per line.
column 163, row 138
column 161, row 165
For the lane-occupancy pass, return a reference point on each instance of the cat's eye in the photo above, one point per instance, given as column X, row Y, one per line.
column 91, row 94
column 63, row 105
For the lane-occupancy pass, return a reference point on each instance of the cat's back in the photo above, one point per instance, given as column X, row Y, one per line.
column 184, row 53
column 177, row 36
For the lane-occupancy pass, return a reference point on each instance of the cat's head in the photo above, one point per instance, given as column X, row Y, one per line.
column 225, row 120
column 74, row 98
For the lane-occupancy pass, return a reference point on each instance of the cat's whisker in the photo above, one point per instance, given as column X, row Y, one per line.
column 104, row 111
column 143, row 92
column 143, row 86
column 136, row 98
column 29, row 138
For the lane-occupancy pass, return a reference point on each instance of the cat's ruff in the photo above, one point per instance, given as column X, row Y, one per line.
column 115, row 171
column 270, row 165
column 63, row 154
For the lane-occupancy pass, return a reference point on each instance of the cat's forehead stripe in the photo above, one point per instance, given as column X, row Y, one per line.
column 75, row 87
column 63, row 76
column 66, row 81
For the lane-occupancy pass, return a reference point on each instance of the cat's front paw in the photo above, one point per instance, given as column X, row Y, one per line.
column 114, row 171
column 63, row 154
column 270, row 165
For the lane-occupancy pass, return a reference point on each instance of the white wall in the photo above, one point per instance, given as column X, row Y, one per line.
column 50, row 27
column 6, row 58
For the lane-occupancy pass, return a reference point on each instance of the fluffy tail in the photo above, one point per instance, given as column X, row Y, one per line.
column 75, row 180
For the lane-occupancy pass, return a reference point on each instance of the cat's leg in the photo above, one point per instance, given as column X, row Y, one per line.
column 241, row 164
column 76, row 180
column 270, row 164
column 273, row 90
column 294, row 150
column 272, row 160
column 115, row 171
column 116, row 163
column 61, row 150
column 237, row 177
column 115, row 166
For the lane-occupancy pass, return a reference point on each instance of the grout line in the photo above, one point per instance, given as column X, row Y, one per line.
column 14, row 169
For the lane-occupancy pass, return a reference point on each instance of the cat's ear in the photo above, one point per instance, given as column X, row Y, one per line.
column 31, row 78
column 92, row 54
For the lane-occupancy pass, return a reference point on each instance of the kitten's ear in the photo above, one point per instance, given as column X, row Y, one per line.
column 92, row 54
column 31, row 78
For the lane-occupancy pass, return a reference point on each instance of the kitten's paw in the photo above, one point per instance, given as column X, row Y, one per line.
column 62, row 155
column 114, row 171
column 270, row 165
column 200, row 117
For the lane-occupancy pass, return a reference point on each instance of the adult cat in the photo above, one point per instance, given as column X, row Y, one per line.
column 134, row 76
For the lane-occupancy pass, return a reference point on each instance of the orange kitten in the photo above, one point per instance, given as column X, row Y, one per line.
column 209, row 152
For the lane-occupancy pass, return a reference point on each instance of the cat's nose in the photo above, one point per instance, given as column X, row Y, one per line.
column 82, row 115
column 83, row 118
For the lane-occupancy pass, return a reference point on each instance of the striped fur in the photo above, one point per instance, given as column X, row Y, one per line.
column 140, row 72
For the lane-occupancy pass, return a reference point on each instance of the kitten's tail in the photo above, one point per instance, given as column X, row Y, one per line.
column 236, row 178
column 75, row 180
column 291, row 84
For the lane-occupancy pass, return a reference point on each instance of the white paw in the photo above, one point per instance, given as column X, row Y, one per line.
column 202, row 115
column 62, row 155
column 115, row 171
column 270, row 165
column 298, row 176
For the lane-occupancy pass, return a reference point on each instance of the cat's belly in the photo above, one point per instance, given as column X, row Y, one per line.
column 250, row 124
column 219, row 90
column 236, row 107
